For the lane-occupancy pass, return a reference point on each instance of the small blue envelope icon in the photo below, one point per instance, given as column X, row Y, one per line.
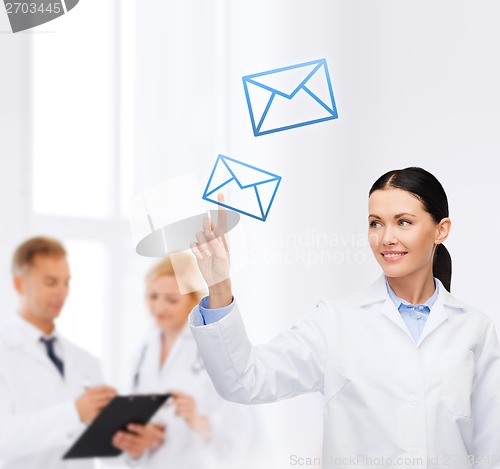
column 251, row 190
column 290, row 97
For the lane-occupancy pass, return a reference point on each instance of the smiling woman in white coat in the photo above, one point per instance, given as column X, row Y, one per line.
column 410, row 375
column 197, row 429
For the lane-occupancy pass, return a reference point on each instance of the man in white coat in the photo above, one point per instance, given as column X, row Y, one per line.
column 49, row 387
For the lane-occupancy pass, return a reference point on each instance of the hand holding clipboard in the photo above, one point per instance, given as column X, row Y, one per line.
column 139, row 438
column 97, row 439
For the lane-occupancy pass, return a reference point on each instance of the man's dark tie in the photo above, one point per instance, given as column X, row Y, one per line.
column 49, row 344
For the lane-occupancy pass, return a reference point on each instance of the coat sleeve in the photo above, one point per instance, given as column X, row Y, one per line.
column 486, row 404
column 292, row 363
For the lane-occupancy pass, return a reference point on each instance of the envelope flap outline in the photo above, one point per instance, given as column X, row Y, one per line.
column 254, row 79
column 235, row 174
column 247, row 175
column 265, row 194
column 320, row 89
column 220, row 176
column 264, row 203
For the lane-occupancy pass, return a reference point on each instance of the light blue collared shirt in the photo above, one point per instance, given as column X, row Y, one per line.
column 210, row 316
column 415, row 316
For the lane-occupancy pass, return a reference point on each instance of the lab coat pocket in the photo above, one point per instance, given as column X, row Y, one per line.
column 335, row 383
column 458, row 380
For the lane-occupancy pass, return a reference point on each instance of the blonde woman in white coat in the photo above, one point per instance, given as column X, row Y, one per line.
column 410, row 375
column 196, row 429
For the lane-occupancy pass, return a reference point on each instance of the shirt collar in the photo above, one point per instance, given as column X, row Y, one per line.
column 399, row 301
column 32, row 333
column 183, row 335
column 377, row 293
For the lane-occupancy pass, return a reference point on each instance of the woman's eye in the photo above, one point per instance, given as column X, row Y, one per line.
column 153, row 297
column 404, row 222
column 374, row 224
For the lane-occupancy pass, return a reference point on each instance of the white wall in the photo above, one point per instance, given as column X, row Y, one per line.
column 416, row 83
column 15, row 147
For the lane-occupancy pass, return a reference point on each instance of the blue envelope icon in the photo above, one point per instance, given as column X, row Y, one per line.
column 290, row 97
column 250, row 190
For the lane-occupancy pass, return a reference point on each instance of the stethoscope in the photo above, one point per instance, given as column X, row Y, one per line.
column 196, row 368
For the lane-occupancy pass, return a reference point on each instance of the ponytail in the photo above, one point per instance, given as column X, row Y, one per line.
column 441, row 267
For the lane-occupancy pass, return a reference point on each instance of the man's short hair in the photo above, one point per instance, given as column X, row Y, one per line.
column 25, row 254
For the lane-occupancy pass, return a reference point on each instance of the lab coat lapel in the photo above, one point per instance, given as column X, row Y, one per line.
column 71, row 368
column 33, row 351
column 439, row 313
column 175, row 351
column 377, row 293
column 437, row 316
column 376, row 296
column 389, row 310
column 151, row 365
column 16, row 335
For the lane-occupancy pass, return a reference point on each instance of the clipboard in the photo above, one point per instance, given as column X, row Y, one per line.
column 95, row 441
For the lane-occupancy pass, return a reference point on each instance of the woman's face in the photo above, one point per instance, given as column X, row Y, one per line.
column 401, row 233
column 168, row 307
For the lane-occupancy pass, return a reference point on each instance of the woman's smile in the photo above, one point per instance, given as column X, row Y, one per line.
column 393, row 256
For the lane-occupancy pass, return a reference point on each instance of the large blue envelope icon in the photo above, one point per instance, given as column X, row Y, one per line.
column 290, row 97
column 250, row 190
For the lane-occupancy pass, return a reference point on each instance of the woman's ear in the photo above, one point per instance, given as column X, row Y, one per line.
column 443, row 230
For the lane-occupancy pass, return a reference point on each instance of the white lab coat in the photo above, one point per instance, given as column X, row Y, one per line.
column 184, row 371
column 424, row 405
column 38, row 416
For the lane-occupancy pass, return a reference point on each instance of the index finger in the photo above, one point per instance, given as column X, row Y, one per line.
column 175, row 394
column 221, row 228
column 103, row 388
column 136, row 428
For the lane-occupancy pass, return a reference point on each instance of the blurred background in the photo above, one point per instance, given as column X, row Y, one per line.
column 120, row 95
